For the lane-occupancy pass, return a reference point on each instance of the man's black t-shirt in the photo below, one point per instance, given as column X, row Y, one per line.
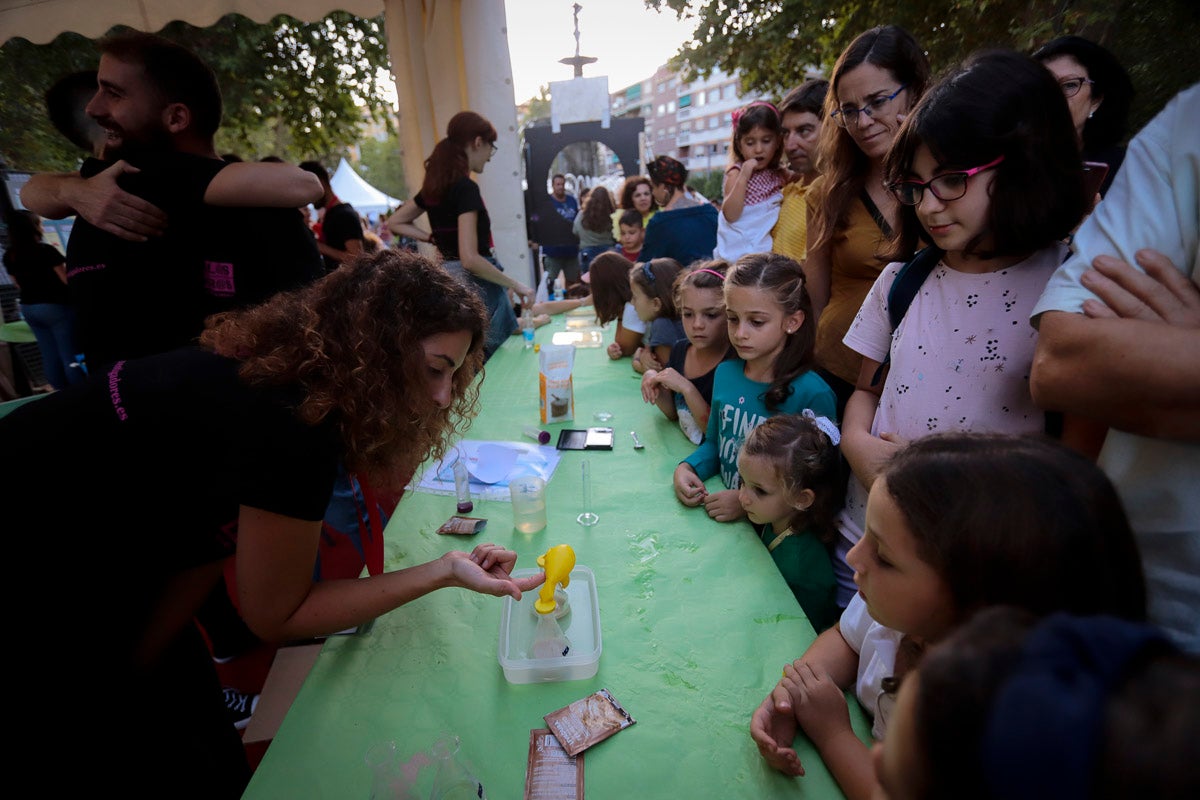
column 251, row 254
column 461, row 198
column 138, row 298
column 339, row 225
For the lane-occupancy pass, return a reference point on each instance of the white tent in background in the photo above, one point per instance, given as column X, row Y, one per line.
column 350, row 188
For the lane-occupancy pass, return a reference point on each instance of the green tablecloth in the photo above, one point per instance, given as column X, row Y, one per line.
column 696, row 622
column 17, row 332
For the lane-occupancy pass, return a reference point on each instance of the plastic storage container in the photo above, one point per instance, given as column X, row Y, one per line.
column 581, row 625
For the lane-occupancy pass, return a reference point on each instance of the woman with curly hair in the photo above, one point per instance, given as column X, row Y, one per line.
column 593, row 227
column 230, row 448
column 637, row 193
column 461, row 227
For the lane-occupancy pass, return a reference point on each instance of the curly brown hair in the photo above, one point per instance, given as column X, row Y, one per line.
column 352, row 342
column 630, row 186
column 597, row 210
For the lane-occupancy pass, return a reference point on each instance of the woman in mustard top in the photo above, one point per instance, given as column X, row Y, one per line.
column 877, row 79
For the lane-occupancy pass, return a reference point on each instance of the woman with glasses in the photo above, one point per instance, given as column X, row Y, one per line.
column 462, row 230
column 684, row 229
column 1098, row 92
column 877, row 79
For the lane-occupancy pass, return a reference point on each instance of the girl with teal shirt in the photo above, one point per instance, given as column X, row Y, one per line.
column 771, row 327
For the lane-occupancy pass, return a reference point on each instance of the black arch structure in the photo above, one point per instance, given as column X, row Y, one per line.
column 542, row 145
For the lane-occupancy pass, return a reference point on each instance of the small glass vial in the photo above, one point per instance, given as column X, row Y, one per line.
column 462, row 486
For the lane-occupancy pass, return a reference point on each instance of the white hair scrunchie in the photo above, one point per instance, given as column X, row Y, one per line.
column 825, row 424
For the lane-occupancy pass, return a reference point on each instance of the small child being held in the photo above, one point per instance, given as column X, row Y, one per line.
column 608, row 277
column 683, row 389
column 753, row 187
column 652, row 286
column 633, row 233
column 771, row 326
column 792, row 487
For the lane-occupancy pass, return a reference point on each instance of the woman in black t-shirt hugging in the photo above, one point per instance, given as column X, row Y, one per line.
column 462, row 230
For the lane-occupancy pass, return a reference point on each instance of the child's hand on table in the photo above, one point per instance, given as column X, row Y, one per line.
column 688, row 486
column 724, row 506
column 650, row 387
column 614, row 351
column 773, row 731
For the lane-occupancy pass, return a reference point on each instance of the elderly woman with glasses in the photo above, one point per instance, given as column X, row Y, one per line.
column 461, row 227
column 851, row 215
column 684, row 229
column 1098, row 92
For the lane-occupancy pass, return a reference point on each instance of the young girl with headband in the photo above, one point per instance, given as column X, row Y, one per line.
column 753, row 188
column 683, row 389
column 791, row 486
column 652, row 290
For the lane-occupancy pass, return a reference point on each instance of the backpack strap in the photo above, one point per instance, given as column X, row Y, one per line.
column 876, row 214
column 904, row 290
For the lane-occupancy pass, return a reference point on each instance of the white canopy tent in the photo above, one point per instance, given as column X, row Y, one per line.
column 447, row 56
column 352, row 188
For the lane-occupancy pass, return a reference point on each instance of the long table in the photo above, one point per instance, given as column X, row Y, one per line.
column 696, row 623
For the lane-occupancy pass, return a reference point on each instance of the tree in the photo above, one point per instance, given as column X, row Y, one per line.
column 293, row 89
column 380, row 165
column 769, row 42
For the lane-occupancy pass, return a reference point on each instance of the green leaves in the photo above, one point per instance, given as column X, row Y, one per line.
column 293, row 89
column 771, row 43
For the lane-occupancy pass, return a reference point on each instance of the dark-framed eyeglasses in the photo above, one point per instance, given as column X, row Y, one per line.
column 945, row 187
column 844, row 116
column 494, row 147
column 1071, row 86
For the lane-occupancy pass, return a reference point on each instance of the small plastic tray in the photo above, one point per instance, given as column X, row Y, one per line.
column 581, row 625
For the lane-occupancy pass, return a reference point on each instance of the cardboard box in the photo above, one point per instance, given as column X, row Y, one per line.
column 288, row 671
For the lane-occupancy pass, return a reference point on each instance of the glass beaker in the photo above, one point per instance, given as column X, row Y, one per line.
column 528, row 494
column 452, row 780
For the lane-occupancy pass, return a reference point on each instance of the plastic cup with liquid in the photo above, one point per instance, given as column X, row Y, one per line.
column 529, row 503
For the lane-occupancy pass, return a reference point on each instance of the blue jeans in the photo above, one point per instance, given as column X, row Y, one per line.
column 502, row 320
column 54, row 326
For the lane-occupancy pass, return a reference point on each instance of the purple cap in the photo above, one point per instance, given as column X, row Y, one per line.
column 543, row 437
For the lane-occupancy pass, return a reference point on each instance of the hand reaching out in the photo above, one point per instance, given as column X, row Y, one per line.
column 488, row 570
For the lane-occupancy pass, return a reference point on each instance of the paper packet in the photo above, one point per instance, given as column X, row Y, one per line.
column 556, row 394
column 588, row 721
column 552, row 774
column 459, row 525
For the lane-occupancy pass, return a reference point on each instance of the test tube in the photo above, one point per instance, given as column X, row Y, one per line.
column 587, row 518
column 537, row 434
column 462, row 485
